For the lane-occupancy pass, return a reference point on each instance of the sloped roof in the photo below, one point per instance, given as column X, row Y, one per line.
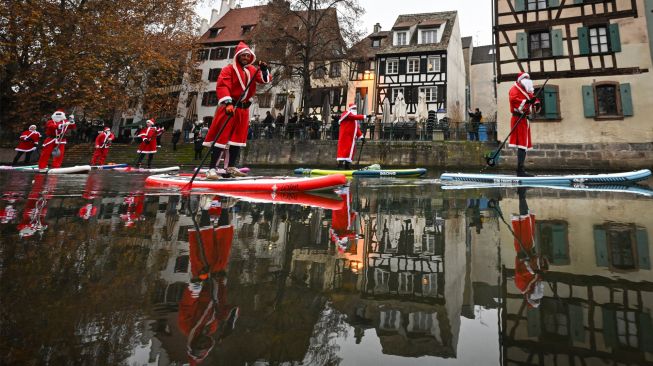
column 419, row 20
column 231, row 25
column 363, row 48
column 467, row 41
column 482, row 55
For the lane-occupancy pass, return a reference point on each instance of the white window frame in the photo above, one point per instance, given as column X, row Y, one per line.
column 415, row 67
column 430, row 61
column 397, row 38
column 376, row 43
column 395, row 68
column 598, row 39
column 434, row 39
column 396, row 91
column 431, row 95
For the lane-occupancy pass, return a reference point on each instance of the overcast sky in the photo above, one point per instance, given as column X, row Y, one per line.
column 475, row 15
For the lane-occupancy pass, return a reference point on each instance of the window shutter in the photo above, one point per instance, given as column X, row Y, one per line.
column 423, row 65
column 550, row 102
column 588, row 101
column 441, row 97
column 382, row 67
column 578, row 1
column 583, row 41
column 576, row 322
column 402, row 67
column 646, row 332
column 560, row 255
column 554, row 3
column 556, row 42
column 522, row 46
column 533, row 322
column 520, row 5
column 642, row 249
column 615, row 40
column 609, row 327
column 600, row 246
column 626, row 100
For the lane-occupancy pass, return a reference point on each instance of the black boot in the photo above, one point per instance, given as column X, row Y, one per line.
column 341, row 165
column 521, row 158
column 347, row 165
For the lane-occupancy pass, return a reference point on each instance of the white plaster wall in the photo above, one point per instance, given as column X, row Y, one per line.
column 455, row 74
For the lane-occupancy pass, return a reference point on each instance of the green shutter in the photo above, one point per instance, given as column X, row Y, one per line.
column 609, row 327
column 576, row 323
column 382, row 67
column 642, row 249
column 402, row 67
column 600, row 246
column 551, row 108
column 615, row 40
column 520, row 5
column 588, row 101
column 578, row 1
column 558, row 232
column 556, row 42
column 583, row 41
column 645, row 332
column 522, row 46
column 554, row 3
column 533, row 322
column 626, row 100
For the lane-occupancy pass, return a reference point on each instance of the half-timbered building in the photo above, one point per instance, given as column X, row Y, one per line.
column 596, row 57
column 423, row 55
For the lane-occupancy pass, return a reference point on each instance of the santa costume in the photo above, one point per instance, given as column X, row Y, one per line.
column 91, row 190
column 522, row 105
column 343, row 230
column 36, row 207
column 159, row 132
column 102, row 144
column 27, row 143
column 148, row 143
column 55, row 139
column 232, row 82
column 348, row 133
column 135, row 205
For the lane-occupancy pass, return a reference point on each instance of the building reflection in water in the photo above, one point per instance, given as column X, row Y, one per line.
column 404, row 267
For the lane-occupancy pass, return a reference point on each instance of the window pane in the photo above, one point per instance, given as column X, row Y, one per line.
column 606, row 96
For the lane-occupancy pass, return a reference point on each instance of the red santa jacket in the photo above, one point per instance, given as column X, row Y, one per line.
column 526, row 262
column 342, row 223
column 519, row 98
column 55, row 132
column 28, row 141
column 148, row 145
column 7, row 214
column 103, row 140
column 135, row 205
column 87, row 211
column 234, row 78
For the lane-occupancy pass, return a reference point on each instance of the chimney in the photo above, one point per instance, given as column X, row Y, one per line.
column 204, row 26
column 232, row 4
column 215, row 15
column 377, row 27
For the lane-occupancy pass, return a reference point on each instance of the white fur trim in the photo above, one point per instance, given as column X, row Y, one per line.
column 241, row 144
column 146, row 152
column 208, row 144
column 223, row 99
column 522, row 76
column 344, row 116
column 23, row 150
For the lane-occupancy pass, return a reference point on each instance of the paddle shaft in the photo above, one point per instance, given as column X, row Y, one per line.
column 217, row 136
column 517, row 123
column 360, row 151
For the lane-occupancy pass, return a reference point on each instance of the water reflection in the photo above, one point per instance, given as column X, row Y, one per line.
column 95, row 271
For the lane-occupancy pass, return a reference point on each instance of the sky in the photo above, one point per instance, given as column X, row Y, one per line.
column 475, row 15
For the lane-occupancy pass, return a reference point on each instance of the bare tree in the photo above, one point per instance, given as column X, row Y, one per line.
column 304, row 36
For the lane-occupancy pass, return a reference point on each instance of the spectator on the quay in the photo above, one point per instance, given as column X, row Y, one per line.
column 204, row 130
column 198, row 140
column 176, row 135
column 267, row 124
column 334, row 128
column 187, row 127
column 292, row 126
column 314, row 130
column 278, row 124
column 475, row 123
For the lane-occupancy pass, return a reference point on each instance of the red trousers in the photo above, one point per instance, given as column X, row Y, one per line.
column 99, row 156
column 45, row 156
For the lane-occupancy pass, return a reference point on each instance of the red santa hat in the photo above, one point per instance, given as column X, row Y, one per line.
column 107, row 128
column 32, row 127
column 149, row 122
column 350, row 109
column 58, row 115
column 523, row 75
column 352, row 106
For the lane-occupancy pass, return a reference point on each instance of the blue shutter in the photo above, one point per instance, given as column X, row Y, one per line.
column 554, row 3
column 583, row 41
column 382, row 67
column 551, row 106
column 522, row 46
column 615, row 39
column 626, row 100
column 556, row 42
column 642, row 249
column 578, row 1
column 588, row 101
column 600, row 246
column 559, row 239
column 520, row 5
column 576, row 323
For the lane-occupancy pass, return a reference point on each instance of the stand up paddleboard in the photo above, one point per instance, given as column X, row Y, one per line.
column 260, row 184
column 129, row 169
column 609, row 178
column 611, row 188
column 34, row 168
column 109, row 166
column 327, row 202
column 403, row 173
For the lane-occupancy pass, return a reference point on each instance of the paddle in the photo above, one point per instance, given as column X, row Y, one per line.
column 491, row 161
column 217, row 136
column 360, row 151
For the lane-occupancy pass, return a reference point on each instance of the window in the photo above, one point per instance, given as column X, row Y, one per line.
column 207, row 120
column 334, row 71
column 536, row 4
column 280, row 101
column 607, row 100
column 431, row 93
column 247, row 28
column 433, row 64
column 429, row 36
column 401, row 38
column 627, row 331
column 599, row 40
column 376, row 43
column 406, row 283
column 621, row 247
column 552, row 236
column 202, row 54
column 430, row 284
column 264, row 100
column 539, row 44
column 209, row 99
column 219, row 53
column 395, row 92
column 213, row 74
column 550, row 103
column 214, row 32
column 320, row 71
column 381, row 280
column 413, row 65
column 392, row 66
column 181, row 264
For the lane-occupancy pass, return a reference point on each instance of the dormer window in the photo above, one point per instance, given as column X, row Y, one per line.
column 247, row 28
column 401, row 38
column 376, row 43
column 428, row 36
column 214, row 32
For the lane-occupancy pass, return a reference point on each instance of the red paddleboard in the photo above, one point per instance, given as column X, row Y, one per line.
column 250, row 184
column 331, row 202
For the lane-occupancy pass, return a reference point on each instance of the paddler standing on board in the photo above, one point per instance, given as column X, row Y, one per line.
column 55, row 140
column 28, row 141
column 232, row 82
column 349, row 131
column 523, row 105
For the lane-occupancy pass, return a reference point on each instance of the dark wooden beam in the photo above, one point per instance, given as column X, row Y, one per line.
column 563, row 21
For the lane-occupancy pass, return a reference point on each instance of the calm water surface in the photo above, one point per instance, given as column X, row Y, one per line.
column 97, row 270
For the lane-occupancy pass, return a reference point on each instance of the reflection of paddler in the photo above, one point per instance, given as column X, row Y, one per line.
column 91, row 190
column 135, row 205
column 36, row 206
column 203, row 309
column 342, row 230
column 528, row 264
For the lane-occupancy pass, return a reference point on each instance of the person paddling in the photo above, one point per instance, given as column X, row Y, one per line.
column 349, row 131
column 55, row 140
column 523, row 105
column 148, row 143
column 102, row 144
column 28, row 141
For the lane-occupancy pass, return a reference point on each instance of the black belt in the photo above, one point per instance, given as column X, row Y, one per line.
column 243, row 105
column 517, row 114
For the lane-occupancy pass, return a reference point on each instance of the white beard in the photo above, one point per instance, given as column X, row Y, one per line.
column 528, row 85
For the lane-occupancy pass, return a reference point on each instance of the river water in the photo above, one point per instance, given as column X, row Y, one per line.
column 97, row 270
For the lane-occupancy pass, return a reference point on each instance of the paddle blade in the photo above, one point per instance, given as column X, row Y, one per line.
column 492, row 158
